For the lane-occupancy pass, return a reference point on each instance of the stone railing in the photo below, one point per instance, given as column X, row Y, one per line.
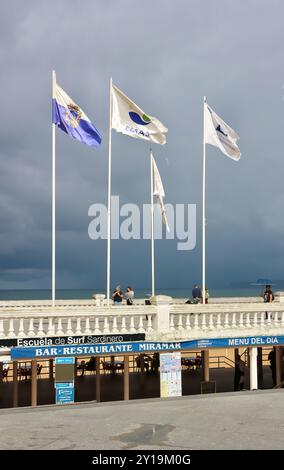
column 163, row 319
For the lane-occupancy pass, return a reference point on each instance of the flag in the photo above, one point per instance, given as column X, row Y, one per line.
column 70, row 118
column 129, row 119
column 158, row 190
column 219, row 134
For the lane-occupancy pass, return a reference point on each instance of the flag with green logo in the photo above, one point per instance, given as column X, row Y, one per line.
column 129, row 119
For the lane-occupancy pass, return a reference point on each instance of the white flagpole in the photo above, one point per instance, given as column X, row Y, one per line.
column 109, row 194
column 53, row 240
column 203, row 212
column 152, row 226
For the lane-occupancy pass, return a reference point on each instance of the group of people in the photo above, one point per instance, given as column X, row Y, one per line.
column 118, row 295
column 197, row 295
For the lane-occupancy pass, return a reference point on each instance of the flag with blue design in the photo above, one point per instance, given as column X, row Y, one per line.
column 129, row 119
column 70, row 118
column 219, row 134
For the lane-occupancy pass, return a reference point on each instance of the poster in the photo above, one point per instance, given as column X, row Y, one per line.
column 170, row 375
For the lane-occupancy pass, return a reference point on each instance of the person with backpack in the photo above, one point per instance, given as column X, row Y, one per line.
column 268, row 297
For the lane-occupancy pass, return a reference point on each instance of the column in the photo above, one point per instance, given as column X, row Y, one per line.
column 205, row 365
column 15, row 384
column 259, row 368
column 98, row 380
column 236, row 377
column 126, row 378
column 161, row 321
column 279, row 361
column 34, row 383
column 253, row 368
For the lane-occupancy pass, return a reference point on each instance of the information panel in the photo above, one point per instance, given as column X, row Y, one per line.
column 170, row 375
column 64, row 392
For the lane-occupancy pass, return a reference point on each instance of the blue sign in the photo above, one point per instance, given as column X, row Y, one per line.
column 142, row 347
column 65, row 360
column 64, row 392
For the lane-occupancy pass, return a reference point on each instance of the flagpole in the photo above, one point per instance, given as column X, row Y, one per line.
column 203, row 213
column 109, row 194
column 53, row 229
column 152, row 226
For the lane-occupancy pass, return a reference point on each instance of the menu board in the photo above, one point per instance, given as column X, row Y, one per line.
column 170, row 375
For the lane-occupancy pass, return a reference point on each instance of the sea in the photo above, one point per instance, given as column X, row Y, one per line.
column 45, row 294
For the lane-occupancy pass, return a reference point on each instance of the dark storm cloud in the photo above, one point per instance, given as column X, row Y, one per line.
column 165, row 56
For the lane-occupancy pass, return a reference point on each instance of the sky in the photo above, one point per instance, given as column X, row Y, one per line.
column 166, row 56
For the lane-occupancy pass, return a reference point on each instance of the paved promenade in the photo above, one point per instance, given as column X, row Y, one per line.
column 243, row 420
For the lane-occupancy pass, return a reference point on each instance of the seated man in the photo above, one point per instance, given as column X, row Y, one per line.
column 155, row 363
column 91, row 364
column 147, row 362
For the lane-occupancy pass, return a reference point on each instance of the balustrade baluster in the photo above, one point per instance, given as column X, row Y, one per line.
column 40, row 331
column 50, row 328
column 262, row 323
column 203, row 326
column 248, row 324
column 69, row 327
column 31, row 332
column 132, row 326
column 11, row 332
column 187, row 323
column 114, row 324
column 276, row 321
column 123, row 325
column 141, row 328
column 59, row 331
column 106, row 325
column 149, row 326
column 97, row 326
column 226, row 324
column 21, row 332
column 196, row 326
column 87, row 327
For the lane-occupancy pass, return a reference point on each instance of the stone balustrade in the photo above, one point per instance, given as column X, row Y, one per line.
column 163, row 319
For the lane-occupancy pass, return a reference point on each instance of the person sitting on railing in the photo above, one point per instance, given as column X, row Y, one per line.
column 196, row 295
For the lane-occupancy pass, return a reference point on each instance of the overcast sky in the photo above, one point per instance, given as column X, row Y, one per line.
column 165, row 55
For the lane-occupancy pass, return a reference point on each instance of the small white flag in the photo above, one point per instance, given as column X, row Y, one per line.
column 158, row 190
column 129, row 119
column 219, row 134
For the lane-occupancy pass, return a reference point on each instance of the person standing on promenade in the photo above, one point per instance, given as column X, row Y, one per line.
column 129, row 295
column 206, row 295
column 268, row 297
column 239, row 374
column 272, row 360
column 117, row 296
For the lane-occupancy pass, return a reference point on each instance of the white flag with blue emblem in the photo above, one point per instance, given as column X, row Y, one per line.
column 219, row 134
column 129, row 119
column 70, row 118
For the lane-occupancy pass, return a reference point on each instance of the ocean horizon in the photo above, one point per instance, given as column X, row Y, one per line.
column 45, row 294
